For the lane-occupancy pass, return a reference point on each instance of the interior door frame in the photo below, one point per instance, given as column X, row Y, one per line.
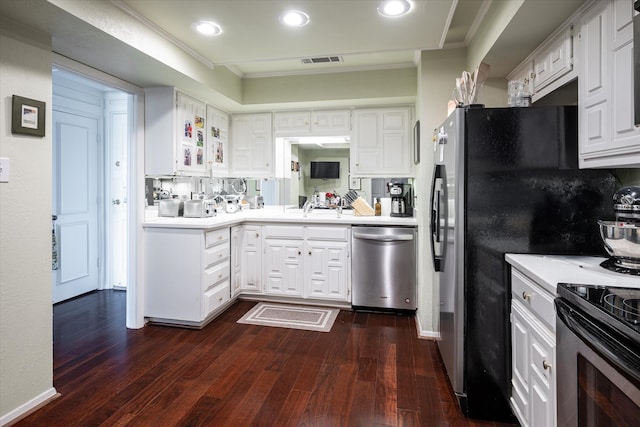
column 135, row 288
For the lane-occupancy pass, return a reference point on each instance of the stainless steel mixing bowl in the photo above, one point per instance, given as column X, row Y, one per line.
column 621, row 240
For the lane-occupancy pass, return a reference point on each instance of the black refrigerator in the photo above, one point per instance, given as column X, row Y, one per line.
column 506, row 180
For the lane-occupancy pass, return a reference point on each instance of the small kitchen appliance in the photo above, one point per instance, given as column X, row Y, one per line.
column 621, row 237
column 255, row 202
column 200, row 208
column 401, row 200
column 170, row 207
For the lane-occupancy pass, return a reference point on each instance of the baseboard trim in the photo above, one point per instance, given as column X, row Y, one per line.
column 430, row 335
column 29, row 407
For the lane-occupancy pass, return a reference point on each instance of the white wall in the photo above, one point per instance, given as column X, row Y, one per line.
column 437, row 72
column 26, row 347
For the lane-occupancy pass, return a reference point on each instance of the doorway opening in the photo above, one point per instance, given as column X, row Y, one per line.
column 92, row 132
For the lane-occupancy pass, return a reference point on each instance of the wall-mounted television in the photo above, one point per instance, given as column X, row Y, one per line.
column 325, row 170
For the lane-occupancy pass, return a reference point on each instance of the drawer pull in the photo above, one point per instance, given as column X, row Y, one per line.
column 220, row 299
column 526, row 296
column 299, row 252
column 546, row 365
column 309, row 252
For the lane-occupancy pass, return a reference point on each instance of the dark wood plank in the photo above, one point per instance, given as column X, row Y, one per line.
column 370, row 370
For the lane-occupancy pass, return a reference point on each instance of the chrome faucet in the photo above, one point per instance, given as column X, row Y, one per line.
column 308, row 207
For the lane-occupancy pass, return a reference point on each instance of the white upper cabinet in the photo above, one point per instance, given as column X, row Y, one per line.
column 381, row 144
column 554, row 61
column 175, row 127
column 252, row 146
column 218, row 141
column 331, row 122
column 607, row 135
column 550, row 66
column 312, row 123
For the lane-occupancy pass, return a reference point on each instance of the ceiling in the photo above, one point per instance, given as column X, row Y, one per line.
column 255, row 44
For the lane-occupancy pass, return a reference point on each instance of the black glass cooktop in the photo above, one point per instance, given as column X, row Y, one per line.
column 618, row 307
column 620, row 267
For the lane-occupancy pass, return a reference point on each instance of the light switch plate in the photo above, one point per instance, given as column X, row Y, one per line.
column 4, row 169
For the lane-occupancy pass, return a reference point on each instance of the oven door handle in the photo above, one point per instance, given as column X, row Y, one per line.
column 611, row 346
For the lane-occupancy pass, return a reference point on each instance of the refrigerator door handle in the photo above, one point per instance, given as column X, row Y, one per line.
column 439, row 217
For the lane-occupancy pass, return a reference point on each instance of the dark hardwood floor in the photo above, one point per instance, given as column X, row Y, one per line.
column 370, row 370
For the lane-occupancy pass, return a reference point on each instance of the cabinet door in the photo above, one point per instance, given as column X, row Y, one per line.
column 382, row 144
column 252, row 145
column 292, row 123
column 542, row 377
column 331, row 122
column 237, row 242
column 217, row 141
column 608, row 137
column 524, row 73
column 283, row 267
column 252, row 259
column 593, row 87
column 520, row 343
column 555, row 60
column 191, row 134
column 326, row 270
column 626, row 136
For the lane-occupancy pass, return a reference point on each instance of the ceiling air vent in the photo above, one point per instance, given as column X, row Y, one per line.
column 321, row 60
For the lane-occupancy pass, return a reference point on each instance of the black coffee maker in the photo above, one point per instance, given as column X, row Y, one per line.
column 401, row 199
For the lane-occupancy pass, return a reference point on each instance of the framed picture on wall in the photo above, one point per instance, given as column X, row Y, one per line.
column 27, row 116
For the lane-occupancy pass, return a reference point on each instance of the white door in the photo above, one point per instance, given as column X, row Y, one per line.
column 75, row 181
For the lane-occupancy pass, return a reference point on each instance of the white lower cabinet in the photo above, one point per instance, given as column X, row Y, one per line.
column 533, row 343
column 283, row 260
column 187, row 275
column 292, row 261
column 246, row 247
column 327, row 263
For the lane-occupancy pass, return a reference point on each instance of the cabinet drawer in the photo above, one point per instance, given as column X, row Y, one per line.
column 215, row 274
column 216, row 237
column 283, row 232
column 216, row 254
column 216, row 297
column 334, row 234
column 539, row 301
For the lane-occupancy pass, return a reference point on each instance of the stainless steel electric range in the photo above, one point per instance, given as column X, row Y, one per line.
column 598, row 353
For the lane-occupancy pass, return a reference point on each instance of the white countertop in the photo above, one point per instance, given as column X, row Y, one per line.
column 287, row 216
column 549, row 270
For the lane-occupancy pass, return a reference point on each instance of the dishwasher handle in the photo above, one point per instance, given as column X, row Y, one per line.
column 384, row 237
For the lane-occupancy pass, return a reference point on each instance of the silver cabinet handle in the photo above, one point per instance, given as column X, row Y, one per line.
column 526, row 296
column 546, row 365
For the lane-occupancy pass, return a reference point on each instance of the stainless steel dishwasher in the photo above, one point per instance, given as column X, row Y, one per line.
column 383, row 270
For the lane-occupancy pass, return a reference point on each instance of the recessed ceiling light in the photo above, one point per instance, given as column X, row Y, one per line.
column 207, row 28
column 394, row 8
column 295, row 18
